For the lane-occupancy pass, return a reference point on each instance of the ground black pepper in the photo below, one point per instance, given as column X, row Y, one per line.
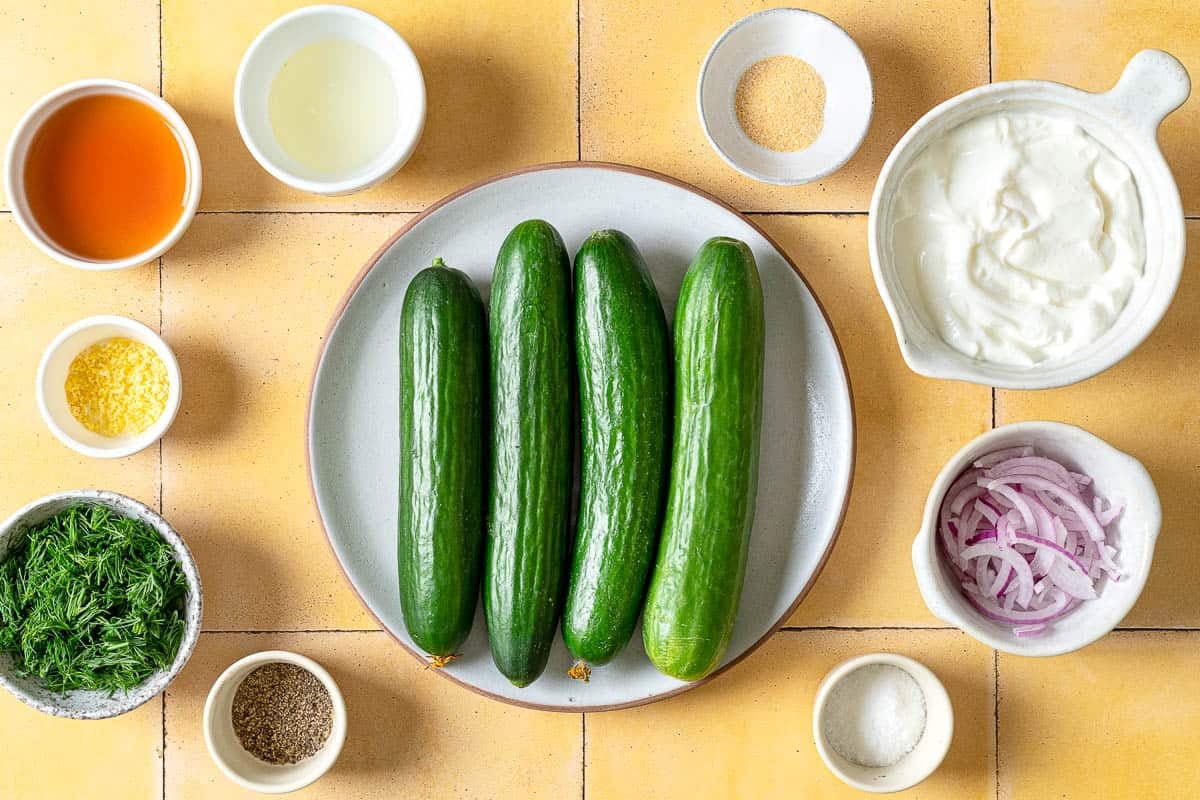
column 282, row 713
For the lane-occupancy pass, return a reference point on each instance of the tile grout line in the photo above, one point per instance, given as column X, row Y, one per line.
column 395, row 211
column 996, row 716
column 578, row 80
column 263, row 631
column 160, row 333
column 801, row 628
column 884, row 628
column 162, row 709
column 995, row 653
column 583, row 756
column 991, row 42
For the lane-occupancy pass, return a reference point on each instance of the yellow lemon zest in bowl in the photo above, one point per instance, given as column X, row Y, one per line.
column 117, row 387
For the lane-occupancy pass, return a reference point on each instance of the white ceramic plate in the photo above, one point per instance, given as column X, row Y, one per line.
column 808, row 424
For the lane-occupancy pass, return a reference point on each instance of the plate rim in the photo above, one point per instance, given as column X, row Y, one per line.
column 373, row 260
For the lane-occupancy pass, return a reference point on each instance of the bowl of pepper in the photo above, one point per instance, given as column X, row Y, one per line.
column 274, row 721
column 100, row 604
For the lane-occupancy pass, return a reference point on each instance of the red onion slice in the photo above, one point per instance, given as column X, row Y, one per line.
column 1025, row 536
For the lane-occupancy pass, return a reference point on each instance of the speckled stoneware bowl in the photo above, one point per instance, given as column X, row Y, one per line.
column 97, row 704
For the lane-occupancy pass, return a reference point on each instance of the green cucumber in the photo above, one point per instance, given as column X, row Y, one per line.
column 532, row 379
column 440, row 527
column 697, row 582
column 623, row 352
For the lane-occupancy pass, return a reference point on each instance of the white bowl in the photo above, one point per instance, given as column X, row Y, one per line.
column 1125, row 120
column 278, row 42
column 52, row 377
column 92, row 704
column 18, row 150
column 849, row 97
column 1116, row 476
column 930, row 749
column 247, row 770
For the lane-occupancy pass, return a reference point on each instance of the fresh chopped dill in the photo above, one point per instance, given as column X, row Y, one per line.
column 90, row 599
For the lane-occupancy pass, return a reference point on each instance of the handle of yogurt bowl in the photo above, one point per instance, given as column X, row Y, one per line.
column 1153, row 84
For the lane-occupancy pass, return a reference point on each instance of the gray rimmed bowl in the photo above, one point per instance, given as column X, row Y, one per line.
column 94, row 704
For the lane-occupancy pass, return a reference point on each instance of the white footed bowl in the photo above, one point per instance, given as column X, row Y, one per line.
column 1116, row 476
column 1125, row 119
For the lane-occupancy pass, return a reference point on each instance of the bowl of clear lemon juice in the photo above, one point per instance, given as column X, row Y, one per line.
column 330, row 100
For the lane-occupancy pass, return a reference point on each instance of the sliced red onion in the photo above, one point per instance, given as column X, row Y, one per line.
column 992, row 610
column 1026, row 538
column 1038, row 467
column 995, row 457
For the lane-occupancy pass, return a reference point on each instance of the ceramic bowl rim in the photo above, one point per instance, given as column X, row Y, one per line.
column 1065, row 372
column 339, row 186
column 146, row 437
column 195, row 599
column 825, row 172
column 926, row 559
column 332, row 747
column 925, row 677
column 40, row 111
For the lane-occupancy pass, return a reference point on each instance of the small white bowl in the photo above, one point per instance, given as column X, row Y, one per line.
column 94, row 704
column 247, row 770
column 924, row 758
column 849, row 96
column 18, row 150
column 278, row 42
column 52, row 377
column 1125, row 120
column 1116, row 476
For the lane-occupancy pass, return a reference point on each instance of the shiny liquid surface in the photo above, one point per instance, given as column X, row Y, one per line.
column 333, row 108
column 105, row 177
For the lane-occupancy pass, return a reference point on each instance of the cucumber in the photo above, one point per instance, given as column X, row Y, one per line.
column 623, row 353
column 532, row 380
column 697, row 582
column 440, row 527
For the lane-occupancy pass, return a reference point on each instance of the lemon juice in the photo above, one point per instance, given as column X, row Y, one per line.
column 333, row 107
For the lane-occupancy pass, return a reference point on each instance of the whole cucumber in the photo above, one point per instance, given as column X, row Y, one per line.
column 623, row 353
column 443, row 363
column 697, row 582
column 532, row 376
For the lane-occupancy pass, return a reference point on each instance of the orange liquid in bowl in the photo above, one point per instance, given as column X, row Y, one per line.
column 105, row 177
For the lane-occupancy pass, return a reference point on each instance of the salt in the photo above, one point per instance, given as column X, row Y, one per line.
column 875, row 715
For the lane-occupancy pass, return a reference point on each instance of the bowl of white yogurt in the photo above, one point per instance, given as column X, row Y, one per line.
column 1029, row 235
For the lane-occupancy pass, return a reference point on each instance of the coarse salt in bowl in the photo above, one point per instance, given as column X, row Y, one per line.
column 910, row 768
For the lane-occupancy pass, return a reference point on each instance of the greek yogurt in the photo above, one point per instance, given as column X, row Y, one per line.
column 1021, row 235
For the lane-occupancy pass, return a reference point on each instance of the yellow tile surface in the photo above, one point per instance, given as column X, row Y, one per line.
column 749, row 733
column 45, row 45
column 38, row 298
column 47, row 757
column 907, row 427
column 1149, row 405
column 411, row 732
column 1087, row 44
column 500, row 80
column 247, row 298
column 640, row 64
column 1117, row 719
